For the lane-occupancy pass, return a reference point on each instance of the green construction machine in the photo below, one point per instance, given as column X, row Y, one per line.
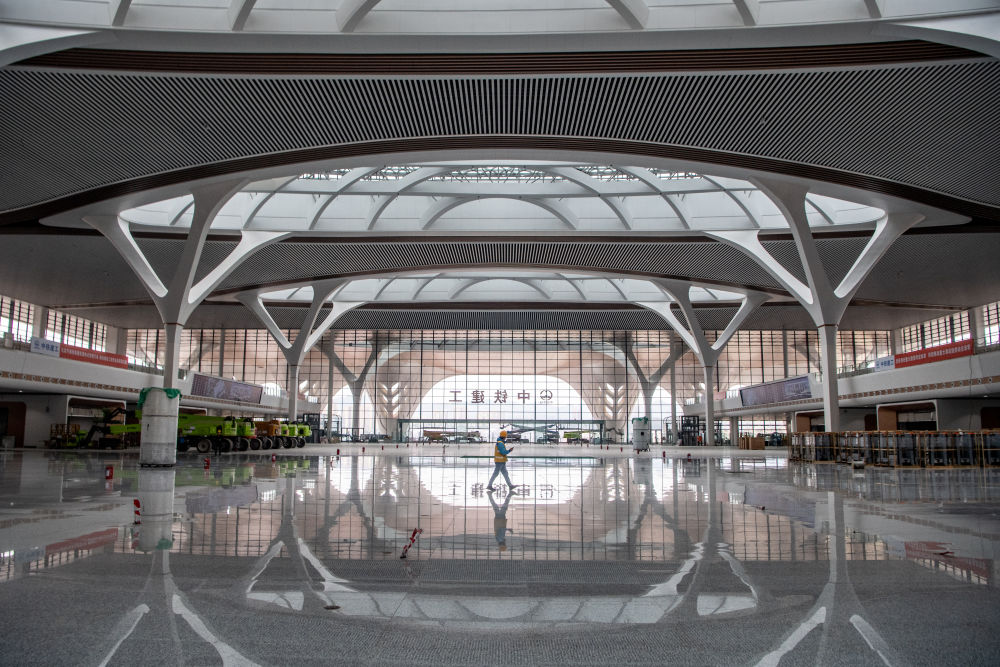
column 207, row 433
column 105, row 434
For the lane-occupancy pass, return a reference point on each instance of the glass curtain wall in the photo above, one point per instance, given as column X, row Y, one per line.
column 947, row 329
column 77, row 331
column 15, row 318
column 544, row 386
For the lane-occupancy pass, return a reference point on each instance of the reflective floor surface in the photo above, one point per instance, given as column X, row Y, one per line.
column 405, row 557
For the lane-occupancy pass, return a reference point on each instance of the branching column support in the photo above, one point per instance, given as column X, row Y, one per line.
column 355, row 381
column 692, row 333
column 824, row 303
column 652, row 381
column 309, row 331
column 177, row 298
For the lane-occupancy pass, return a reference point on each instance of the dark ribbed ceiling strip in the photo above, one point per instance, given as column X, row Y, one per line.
column 698, row 60
column 813, row 172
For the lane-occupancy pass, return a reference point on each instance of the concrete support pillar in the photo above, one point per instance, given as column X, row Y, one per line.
column 673, row 405
column 293, row 391
column 734, row 430
column 222, row 353
column 709, row 405
column 172, row 360
column 158, row 436
column 329, row 392
column 784, row 350
column 38, row 321
column 119, row 336
column 977, row 324
column 828, row 359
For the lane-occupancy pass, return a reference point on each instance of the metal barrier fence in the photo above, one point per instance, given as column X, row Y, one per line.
column 899, row 449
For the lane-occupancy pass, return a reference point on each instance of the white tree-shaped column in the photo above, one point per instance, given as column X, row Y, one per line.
column 693, row 334
column 309, row 332
column 824, row 302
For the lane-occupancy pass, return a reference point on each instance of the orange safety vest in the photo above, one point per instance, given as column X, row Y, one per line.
column 497, row 456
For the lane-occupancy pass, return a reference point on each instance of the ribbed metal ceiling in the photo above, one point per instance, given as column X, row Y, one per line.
column 933, row 126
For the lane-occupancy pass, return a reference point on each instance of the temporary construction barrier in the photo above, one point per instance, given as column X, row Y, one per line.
column 905, row 446
column 989, row 445
column 899, row 449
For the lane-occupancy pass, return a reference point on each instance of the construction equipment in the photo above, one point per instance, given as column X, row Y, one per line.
column 106, row 434
column 206, row 432
column 277, row 434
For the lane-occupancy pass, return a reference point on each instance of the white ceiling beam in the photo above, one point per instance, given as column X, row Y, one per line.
column 255, row 204
column 414, row 178
column 577, row 285
column 18, row 42
column 345, row 182
column 117, row 10
column 749, row 11
column 656, row 184
column 875, row 8
column 819, row 209
column 635, row 12
column 239, row 12
column 440, row 188
column 616, row 204
column 736, row 200
column 553, row 206
column 350, row 13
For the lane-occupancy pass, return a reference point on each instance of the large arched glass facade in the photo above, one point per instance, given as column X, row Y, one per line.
column 405, row 381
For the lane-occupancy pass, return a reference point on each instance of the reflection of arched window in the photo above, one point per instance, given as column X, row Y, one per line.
column 502, row 399
column 343, row 404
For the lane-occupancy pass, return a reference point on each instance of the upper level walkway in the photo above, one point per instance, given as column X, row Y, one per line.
column 974, row 376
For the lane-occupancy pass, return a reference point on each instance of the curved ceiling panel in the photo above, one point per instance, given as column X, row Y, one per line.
column 927, row 131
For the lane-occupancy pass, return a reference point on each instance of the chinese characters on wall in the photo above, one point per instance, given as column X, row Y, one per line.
column 501, row 396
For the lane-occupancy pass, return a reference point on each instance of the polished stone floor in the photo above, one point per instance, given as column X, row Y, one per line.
column 598, row 556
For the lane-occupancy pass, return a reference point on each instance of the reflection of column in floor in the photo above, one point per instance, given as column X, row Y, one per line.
column 837, row 608
column 307, row 594
column 154, row 618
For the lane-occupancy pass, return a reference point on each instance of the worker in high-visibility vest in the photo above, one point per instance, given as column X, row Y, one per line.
column 500, row 452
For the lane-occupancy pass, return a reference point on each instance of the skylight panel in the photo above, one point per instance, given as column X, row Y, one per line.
column 498, row 174
column 393, row 173
column 670, row 175
column 606, row 173
column 328, row 175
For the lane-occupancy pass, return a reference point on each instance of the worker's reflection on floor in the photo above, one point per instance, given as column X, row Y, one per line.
column 500, row 528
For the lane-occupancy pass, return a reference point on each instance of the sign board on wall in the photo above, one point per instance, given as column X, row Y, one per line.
column 793, row 389
column 885, row 364
column 962, row 348
column 93, row 356
column 43, row 346
column 230, row 390
column 64, row 351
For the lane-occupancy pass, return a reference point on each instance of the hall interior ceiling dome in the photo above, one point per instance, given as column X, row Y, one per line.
column 500, row 198
column 507, row 164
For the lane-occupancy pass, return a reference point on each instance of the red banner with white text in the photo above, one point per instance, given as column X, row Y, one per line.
column 93, row 356
column 962, row 348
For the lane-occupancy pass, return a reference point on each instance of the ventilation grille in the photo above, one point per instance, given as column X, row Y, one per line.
column 930, row 126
